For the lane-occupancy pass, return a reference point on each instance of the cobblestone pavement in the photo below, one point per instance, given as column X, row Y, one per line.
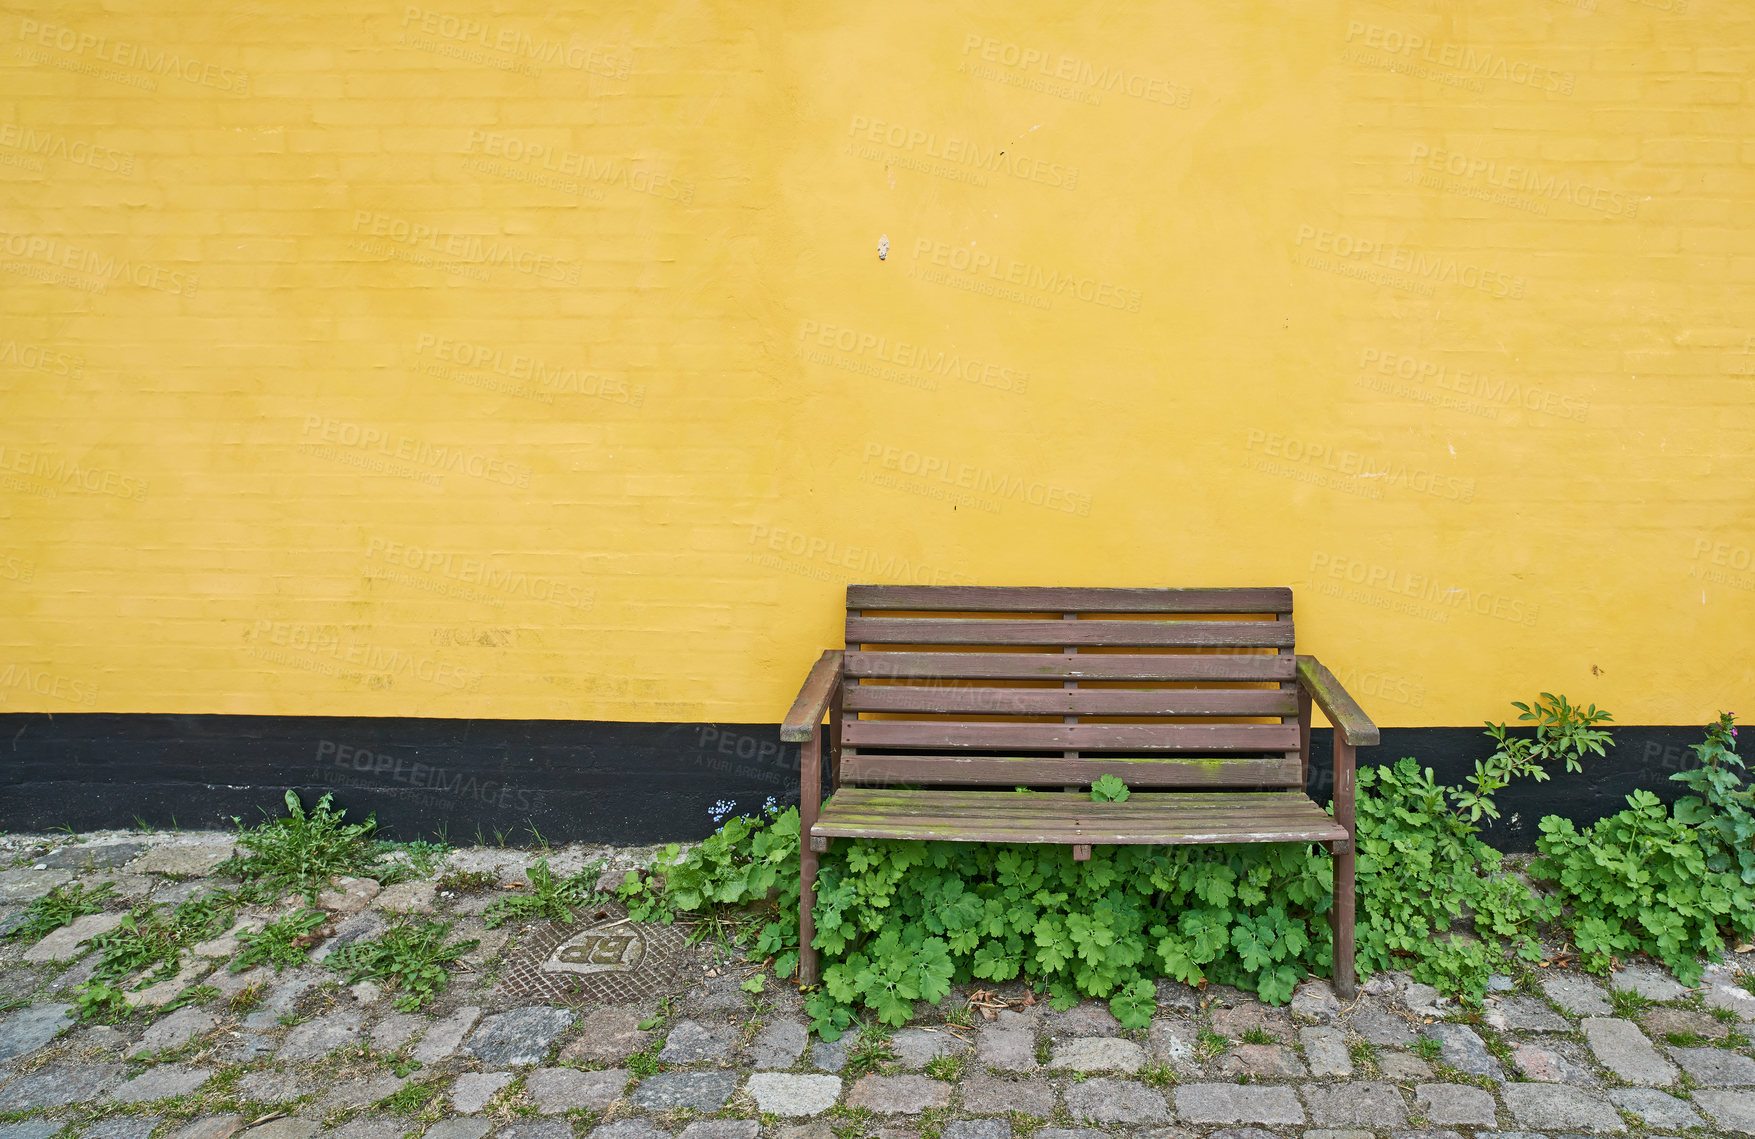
column 299, row 1054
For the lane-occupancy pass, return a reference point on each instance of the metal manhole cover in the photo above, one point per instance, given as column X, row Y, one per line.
column 601, row 956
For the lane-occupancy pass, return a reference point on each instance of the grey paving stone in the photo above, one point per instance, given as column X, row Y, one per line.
column 722, row 1129
column 30, row 1129
column 55, row 1084
column 691, row 1042
column 1009, row 1047
column 185, row 860
column 1402, row 1066
column 211, row 1127
column 271, row 1085
column 1071, row 1133
column 829, row 1055
column 780, row 1044
column 1171, row 1041
column 1425, row 1135
column 395, row 1030
column 361, row 1091
column 162, row 1082
column 899, row 1095
column 1660, row 1022
column 473, row 1091
column 1649, row 981
column 1423, row 1000
column 1654, row 1107
column 1254, row 1133
column 1358, row 1103
column 1262, row 1061
column 1526, row 1014
column 567, row 1089
column 290, row 1128
column 703, row 1091
column 1098, row 1054
column 1733, row 1111
column 988, row 1095
column 1330, row 1133
column 1252, row 1016
column 1557, row 1107
column 1620, row 1047
column 371, row 1127
column 521, row 1036
column 103, row 856
column 459, row 1127
column 29, row 1029
column 545, row 1129
column 1463, row 1049
column 443, row 1038
column 1083, row 1019
column 626, row 1129
column 64, row 944
column 1238, row 1103
column 978, row 1129
column 175, row 1030
column 779, row 1093
column 288, row 988
column 1547, row 1065
column 317, row 1038
column 125, row 1127
column 1715, row 1067
column 29, row 885
column 1325, row 1050
column 1456, row 1103
column 1382, row 1027
column 1106, row 1100
column 1315, row 1000
column 608, row 1035
column 916, row 1047
column 1577, row 996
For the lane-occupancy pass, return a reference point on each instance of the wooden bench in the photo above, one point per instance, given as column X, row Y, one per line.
column 949, row 698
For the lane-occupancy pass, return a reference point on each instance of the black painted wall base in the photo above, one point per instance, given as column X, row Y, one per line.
column 570, row 781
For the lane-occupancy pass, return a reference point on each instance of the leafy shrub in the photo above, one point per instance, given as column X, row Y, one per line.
column 1658, row 881
column 302, row 851
column 549, row 897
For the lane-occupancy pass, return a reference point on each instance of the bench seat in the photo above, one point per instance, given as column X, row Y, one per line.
column 1074, row 819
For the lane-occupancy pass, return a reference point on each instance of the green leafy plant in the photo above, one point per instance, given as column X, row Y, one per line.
column 466, row 881
column 1109, row 789
column 1723, row 801
column 947, row 1068
column 409, row 956
column 1563, row 731
column 280, row 943
column 59, row 907
column 1427, row 1048
column 1629, row 1004
column 548, row 897
column 151, row 938
column 303, row 851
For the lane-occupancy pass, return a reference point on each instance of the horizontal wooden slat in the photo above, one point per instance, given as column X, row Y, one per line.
column 1081, row 737
column 1055, row 666
column 999, row 631
column 1025, row 771
column 1165, row 819
column 1035, row 599
column 1072, row 702
column 1336, row 703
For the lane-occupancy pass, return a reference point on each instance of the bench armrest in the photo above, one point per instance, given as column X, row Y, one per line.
column 1341, row 709
column 813, row 700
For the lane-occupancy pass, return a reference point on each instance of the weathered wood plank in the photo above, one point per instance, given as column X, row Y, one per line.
column 1162, row 667
column 889, row 800
column 1073, row 702
column 1031, row 599
column 1000, row 631
column 1083, row 737
column 813, row 701
column 1340, row 707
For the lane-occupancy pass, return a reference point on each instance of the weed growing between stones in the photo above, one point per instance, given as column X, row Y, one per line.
column 280, row 943
column 947, row 1068
column 59, row 907
column 1629, row 1004
column 409, row 957
column 301, row 851
column 465, row 881
column 549, row 897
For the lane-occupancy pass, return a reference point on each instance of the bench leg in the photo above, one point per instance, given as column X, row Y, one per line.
column 807, row 926
column 1341, row 921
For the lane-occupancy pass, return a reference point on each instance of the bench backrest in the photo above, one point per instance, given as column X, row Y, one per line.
column 1046, row 687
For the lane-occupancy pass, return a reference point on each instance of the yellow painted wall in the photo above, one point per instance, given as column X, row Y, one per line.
column 537, row 360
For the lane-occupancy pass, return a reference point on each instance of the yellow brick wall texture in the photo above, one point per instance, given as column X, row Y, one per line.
column 533, row 360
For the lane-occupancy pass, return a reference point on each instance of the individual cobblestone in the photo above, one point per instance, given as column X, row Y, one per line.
column 473, row 1091
column 521, row 1036
column 1009, row 1044
column 780, row 1044
column 1238, row 1103
column 899, row 1095
column 1557, row 1107
column 29, row 1029
column 1731, row 1110
column 1620, row 1047
column 167, row 1081
column 1252, row 1016
column 1325, row 1050
column 988, row 1095
column 608, row 1035
column 1098, row 1054
column 1656, row 1108
column 317, row 1038
column 1260, row 1061
column 1359, row 1103
column 1526, row 1014
column 1648, row 981
column 703, row 1091
column 67, row 943
column 1456, row 1104
column 1715, row 1067
column 1463, row 1049
column 1547, row 1065
column 915, row 1047
column 56, row 1084
column 1106, row 1100
column 1577, row 996
column 691, row 1042
column 1382, row 1027
column 567, row 1089
column 793, row 1095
